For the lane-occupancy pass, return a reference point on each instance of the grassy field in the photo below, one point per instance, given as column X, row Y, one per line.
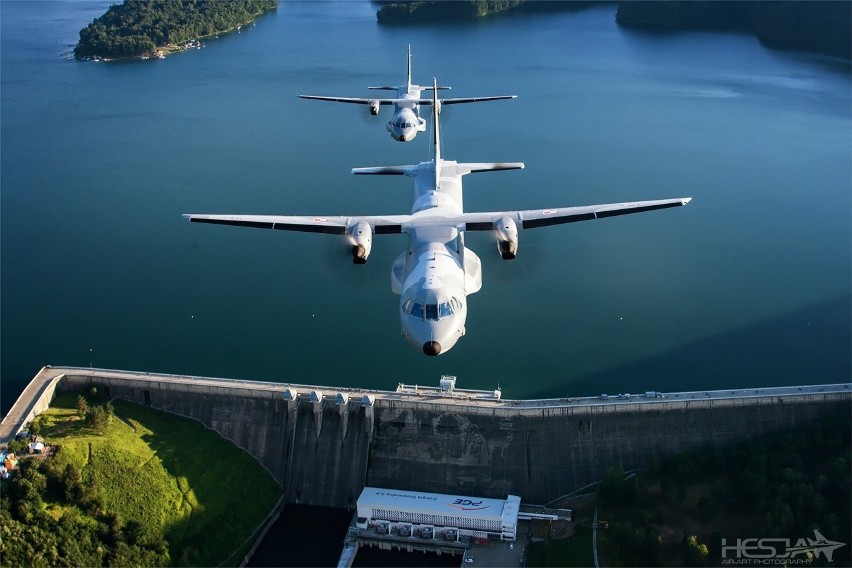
column 170, row 474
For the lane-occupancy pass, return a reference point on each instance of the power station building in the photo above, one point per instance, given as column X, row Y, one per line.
column 437, row 516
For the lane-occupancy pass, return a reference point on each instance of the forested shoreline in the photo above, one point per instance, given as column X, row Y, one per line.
column 807, row 25
column 145, row 27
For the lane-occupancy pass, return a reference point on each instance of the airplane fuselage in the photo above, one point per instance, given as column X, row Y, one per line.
column 430, row 276
column 406, row 122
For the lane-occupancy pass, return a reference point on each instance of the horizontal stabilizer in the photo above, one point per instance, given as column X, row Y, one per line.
column 385, row 88
column 476, row 167
column 384, row 171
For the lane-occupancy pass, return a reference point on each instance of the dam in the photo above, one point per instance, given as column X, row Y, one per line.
column 323, row 444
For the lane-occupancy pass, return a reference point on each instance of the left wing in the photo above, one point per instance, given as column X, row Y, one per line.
column 330, row 225
column 353, row 100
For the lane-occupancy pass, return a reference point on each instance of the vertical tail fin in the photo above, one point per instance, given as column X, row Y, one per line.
column 409, row 65
column 436, row 130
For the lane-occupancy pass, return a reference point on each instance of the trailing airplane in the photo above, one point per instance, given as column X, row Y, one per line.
column 436, row 274
column 406, row 121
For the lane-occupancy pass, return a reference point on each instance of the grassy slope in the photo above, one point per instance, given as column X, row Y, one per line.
column 170, row 474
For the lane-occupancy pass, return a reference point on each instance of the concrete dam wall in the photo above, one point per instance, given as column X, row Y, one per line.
column 545, row 454
column 323, row 448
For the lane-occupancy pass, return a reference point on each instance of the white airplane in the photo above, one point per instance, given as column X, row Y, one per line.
column 437, row 272
column 406, row 121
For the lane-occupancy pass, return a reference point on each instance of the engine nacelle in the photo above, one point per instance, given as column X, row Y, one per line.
column 374, row 107
column 438, row 107
column 362, row 241
column 507, row 237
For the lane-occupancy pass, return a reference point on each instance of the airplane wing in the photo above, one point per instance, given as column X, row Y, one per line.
column 534, row 218
column 466, row 100
column 330, row 225
column 390, row 224
column 352, row 100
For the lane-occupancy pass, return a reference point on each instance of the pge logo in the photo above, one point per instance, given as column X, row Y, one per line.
column 467, row 505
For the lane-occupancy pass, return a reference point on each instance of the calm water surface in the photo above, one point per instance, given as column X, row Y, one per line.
column 748, row 285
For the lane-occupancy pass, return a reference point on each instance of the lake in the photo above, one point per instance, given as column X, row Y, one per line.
column 749, row 285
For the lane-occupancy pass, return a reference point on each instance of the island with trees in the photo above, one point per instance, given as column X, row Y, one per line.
column 808, row 25
column 148, row 28
column 410, row 11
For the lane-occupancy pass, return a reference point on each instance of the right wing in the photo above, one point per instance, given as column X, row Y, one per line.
column 534, row 218
column 387, row 224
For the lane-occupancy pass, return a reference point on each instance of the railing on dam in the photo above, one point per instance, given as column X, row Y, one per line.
column 38, row 394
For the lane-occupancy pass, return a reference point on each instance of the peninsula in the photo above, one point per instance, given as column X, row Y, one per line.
column 158, row 27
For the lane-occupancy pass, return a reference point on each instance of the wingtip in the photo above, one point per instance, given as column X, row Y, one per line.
column 686, row 200
column 186, row 216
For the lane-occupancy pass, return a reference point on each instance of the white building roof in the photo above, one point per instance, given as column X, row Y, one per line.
column 430, row 504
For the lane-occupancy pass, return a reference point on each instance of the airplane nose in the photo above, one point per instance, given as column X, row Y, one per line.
column 402, row 137
column 431, row 348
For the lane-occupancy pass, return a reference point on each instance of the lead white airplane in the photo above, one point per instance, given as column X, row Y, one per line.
column 437, row 273
column 406, row 121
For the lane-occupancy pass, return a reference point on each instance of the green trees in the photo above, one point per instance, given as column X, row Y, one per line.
column 139, row 27
column 434, row 10
column 99, row 417
column 31, row 537
column 694, row 552
column 782, row 485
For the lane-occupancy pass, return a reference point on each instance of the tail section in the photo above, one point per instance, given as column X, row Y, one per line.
column 409, row 66
column 436, row 131
column 408, row 84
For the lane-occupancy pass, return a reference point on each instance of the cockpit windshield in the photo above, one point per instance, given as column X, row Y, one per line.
column 432, row 312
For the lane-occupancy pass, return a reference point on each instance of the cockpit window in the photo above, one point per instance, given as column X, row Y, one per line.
column 433, row 312
column 445, row 310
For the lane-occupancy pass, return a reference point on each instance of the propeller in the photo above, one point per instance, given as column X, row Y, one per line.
column 335, row 257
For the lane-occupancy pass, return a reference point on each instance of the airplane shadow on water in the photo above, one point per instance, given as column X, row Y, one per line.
column 811, row 345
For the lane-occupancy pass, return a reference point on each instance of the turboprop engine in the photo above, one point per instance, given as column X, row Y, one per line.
column 361, row 236
column 374, row 107
column 438, row 107
column 507, row 237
